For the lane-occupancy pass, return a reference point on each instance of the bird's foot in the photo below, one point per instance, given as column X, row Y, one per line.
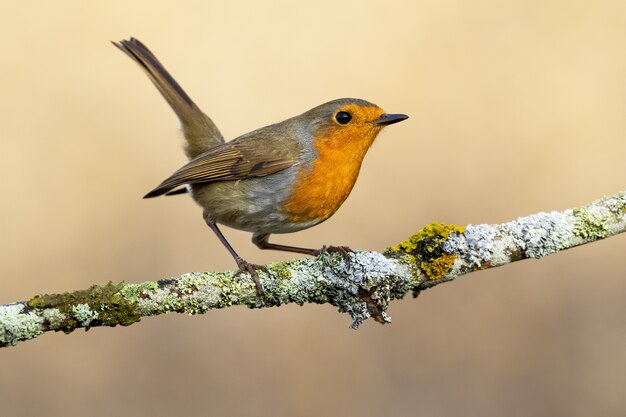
column 344, row 251
column 247, row 267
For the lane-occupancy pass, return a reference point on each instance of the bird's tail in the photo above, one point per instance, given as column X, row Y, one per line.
column 199, row 130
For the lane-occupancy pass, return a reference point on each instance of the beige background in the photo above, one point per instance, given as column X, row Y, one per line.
column 516, row 107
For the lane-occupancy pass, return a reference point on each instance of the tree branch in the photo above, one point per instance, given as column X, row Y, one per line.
column 362, row 286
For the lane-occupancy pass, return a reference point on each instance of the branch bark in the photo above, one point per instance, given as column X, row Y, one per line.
column 362, row 286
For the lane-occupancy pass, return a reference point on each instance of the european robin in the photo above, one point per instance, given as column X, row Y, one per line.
column 281, row 178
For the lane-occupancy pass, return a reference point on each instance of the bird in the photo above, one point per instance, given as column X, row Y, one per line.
column 281, row 178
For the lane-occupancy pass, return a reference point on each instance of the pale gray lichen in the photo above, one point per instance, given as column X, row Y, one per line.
column 200, row 295
column 328, row 278
column 616, row 204
column 359, row 313
column 474, row 246
column 366, row 271
column 16, row 325
column 158, row 301
column 53, row 317
column 540, row 234
column 192, row 293
column 296, row 282
column 84, row 314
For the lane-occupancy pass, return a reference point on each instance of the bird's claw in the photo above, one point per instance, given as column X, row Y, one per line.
column 344, row 251
column 247, row 267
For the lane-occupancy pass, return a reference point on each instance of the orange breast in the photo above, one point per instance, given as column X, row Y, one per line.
column 320, row 190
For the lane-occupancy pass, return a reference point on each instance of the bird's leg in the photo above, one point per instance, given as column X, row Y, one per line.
column 243, row 265
column 262, row 242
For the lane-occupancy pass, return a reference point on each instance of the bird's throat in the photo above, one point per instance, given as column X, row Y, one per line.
column 321, row 189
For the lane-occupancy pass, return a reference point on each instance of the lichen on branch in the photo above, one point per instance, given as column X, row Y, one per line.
column 362, row 286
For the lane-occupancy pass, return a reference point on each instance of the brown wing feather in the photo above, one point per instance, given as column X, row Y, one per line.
column 230, row 161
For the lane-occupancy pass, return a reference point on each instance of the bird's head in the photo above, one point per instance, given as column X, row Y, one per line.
column 348, row 123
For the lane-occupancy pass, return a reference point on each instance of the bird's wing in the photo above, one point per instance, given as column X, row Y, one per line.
column 232, row 161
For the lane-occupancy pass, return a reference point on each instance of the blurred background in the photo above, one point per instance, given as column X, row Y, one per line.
column 516, row 107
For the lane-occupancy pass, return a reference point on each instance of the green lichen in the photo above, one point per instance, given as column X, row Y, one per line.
column 107, row 301
column 189, row 283
column 280, row 271
column 589, row 226
column 135, row 292
column 426, row 247
column 195, row 293
column 234, row 290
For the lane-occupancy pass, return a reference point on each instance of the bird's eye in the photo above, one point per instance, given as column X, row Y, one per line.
column 343, row 117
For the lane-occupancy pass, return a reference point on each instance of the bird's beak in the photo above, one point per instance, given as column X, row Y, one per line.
column 389, row 119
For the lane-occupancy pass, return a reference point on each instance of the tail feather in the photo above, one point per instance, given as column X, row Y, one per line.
column 199, row 130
